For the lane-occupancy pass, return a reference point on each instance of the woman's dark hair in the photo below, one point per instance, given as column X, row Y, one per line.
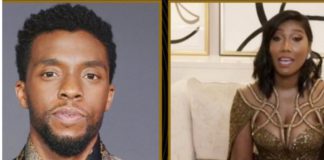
column 264, row 70
column 63, row 17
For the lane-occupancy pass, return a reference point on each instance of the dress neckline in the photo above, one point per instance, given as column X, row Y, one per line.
column 285, row 129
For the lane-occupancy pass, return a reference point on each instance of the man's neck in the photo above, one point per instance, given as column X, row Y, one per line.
column 45, row 152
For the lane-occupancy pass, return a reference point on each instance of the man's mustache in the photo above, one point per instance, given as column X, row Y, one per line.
column 66, row 103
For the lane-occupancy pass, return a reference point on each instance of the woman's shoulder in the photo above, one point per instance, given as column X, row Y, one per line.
column 251, row 93
column 246, row 100
column 319, row 84
column 242, row 108
column 317, row 92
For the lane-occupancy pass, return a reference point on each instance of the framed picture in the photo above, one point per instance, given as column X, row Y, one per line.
column 189, row 29
column 240, row 25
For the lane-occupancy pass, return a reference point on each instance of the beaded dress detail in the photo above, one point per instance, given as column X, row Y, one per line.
column 300, row 139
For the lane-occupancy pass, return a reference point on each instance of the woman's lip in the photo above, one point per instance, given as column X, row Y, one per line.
column 285, row 60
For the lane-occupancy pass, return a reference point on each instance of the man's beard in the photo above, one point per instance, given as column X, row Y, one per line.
column 66, row 146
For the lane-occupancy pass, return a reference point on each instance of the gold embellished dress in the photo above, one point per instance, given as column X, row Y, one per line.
column 300, row 139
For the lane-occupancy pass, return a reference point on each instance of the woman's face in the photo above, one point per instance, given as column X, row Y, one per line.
column 289, row 48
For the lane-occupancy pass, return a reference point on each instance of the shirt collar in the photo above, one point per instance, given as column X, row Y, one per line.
column 99, row 152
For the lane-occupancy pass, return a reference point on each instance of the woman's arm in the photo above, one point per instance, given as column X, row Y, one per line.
column 241, row 144
column 242, row 148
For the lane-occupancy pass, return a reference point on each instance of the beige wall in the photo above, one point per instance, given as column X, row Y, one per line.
column 212, row 67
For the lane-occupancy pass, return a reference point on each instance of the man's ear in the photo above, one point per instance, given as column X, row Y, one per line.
column 21, row 94
column 110, row 97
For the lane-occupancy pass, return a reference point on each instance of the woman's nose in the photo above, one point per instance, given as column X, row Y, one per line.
column 286, row 46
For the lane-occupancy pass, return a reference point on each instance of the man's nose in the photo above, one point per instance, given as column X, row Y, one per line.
column 70, row 88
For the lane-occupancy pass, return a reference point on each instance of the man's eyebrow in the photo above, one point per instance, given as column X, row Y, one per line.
column 95, row 63
column 53, row 61
column 48, row 62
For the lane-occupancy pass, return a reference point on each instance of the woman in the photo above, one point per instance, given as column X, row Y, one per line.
column 281, row 114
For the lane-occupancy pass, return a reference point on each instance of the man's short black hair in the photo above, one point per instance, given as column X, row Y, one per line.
column 63, row 17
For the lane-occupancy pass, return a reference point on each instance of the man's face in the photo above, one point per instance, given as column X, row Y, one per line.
column 67, row 87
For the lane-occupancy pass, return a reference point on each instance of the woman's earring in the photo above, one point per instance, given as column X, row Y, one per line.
column 309, row 55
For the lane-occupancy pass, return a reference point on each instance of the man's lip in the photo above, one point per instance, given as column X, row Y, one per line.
column 69, row 110
column 68, row 115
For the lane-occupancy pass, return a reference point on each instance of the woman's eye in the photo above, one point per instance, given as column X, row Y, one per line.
column 91, row 76
column 275, row 38
column 297, row 39
column 49, row 74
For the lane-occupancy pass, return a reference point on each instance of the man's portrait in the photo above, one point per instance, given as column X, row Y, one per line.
column 81, row 81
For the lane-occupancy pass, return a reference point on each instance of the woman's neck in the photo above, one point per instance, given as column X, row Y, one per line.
column 286, row 83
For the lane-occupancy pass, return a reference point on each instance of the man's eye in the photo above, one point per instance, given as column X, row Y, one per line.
column 49, row 74
column 91, row 76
